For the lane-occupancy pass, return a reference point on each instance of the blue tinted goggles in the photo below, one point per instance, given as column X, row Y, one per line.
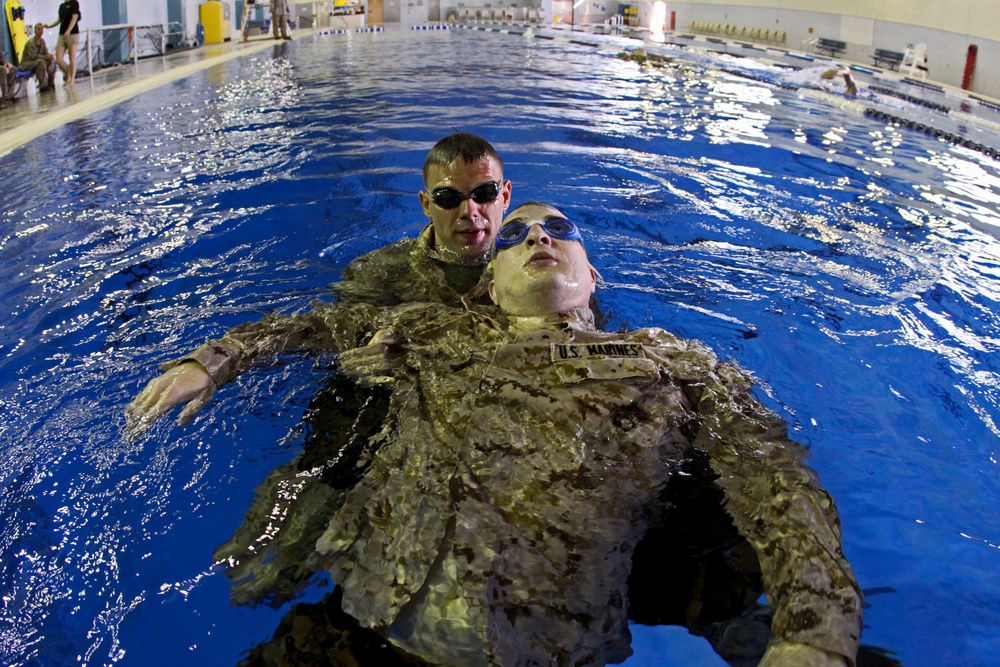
column 514, row 233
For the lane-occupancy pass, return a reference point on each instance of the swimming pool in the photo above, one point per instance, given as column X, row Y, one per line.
column 852, row 265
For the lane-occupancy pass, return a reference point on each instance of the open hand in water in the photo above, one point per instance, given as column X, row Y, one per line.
column 374, row 364
column 187, row 383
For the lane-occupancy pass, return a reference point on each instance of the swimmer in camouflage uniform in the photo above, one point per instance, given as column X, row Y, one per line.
column 526, row 459
column 496, row 525
column 465, row 198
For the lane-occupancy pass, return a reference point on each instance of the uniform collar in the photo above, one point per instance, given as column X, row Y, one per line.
column 424, row 255
column 428, row 244
column 577, row 319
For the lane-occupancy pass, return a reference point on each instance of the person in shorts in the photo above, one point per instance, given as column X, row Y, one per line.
column 69, row 38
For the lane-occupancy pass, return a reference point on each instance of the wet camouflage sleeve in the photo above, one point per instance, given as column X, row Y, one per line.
column 325, row 328
column 400, row 273
column 777, row 503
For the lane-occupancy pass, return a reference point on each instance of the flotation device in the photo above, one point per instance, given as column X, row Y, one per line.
column 212, row 15
column 15, row 20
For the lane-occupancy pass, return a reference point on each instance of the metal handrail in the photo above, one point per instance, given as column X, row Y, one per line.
column 167, row 34
column 131, row 31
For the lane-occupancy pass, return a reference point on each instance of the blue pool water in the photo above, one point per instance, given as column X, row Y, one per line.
column 853, row 266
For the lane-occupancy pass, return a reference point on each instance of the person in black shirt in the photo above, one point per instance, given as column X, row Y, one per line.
column 69, row 37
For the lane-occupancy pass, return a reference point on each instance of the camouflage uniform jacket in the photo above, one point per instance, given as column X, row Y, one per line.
column 518, row 472
column 410, row 271
column 34, row 49
column 497, row 522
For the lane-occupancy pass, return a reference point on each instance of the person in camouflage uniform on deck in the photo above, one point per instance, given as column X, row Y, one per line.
column 524, row 459
column 8, row 81
column 37, row 59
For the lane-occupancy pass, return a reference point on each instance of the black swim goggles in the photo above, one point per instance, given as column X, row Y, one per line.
column 514, row 233
column 449, row 198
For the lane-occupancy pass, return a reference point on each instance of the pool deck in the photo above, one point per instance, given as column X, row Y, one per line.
column 36, row 114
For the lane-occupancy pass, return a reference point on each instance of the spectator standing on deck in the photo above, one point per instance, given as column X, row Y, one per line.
column 69, row 38
column 279, row 19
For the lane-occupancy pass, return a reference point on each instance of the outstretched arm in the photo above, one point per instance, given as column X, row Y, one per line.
column 194, row 378
column 777, row 504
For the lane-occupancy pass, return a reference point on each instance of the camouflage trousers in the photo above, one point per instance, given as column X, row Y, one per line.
column 43, row 70
column 8, row 75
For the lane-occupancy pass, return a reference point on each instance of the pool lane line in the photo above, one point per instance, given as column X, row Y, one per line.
column 38, row 127
column 922, row 84
column 956, row 139
column 860, row 108
column 347, row 31
column 909, row 98
column 986, row 103
column 855, row 106
column 870, row 112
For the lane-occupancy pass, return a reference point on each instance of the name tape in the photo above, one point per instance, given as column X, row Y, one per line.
column 568, row 352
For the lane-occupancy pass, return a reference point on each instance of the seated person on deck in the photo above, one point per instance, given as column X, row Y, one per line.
column 36, row 59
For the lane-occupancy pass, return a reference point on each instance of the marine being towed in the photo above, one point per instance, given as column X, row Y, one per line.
column 498, row 520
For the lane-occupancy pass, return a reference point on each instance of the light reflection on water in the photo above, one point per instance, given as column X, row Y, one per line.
column 852, row 266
